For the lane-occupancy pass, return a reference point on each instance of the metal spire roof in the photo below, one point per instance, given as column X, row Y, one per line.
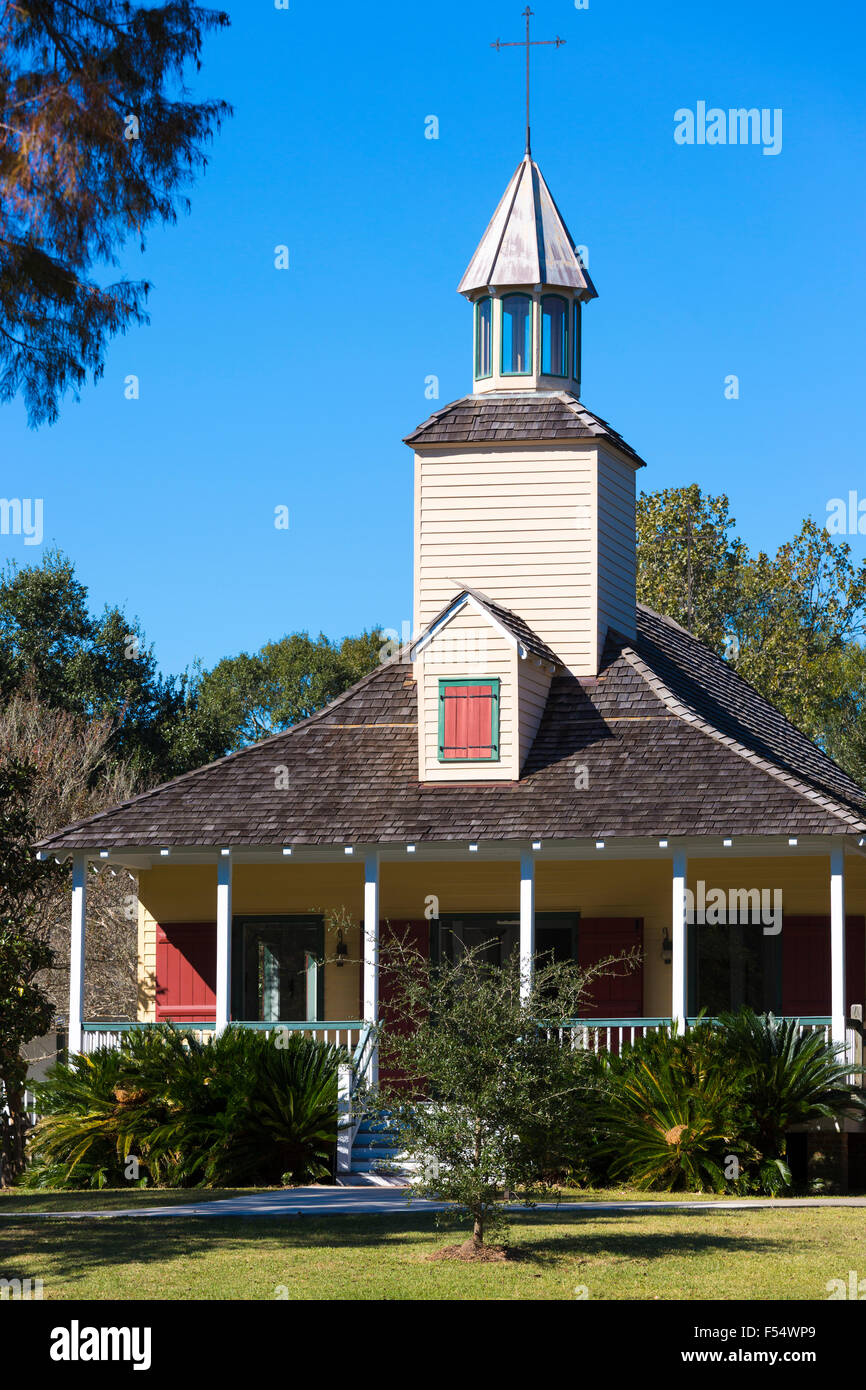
column 527, row 241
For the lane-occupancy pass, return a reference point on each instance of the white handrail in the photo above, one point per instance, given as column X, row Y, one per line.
column 351, row 1077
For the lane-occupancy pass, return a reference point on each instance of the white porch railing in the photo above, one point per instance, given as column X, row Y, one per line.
column 605, row 1034
column 614, row 1034
column 341, row 1033
column 351, row 1078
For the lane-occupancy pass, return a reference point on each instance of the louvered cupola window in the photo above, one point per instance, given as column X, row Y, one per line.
column 483, row 339
column 516, row 335
column 468, row 721
column 554, row 335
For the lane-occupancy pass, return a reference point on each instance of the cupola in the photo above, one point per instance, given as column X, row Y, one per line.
column 527, row 285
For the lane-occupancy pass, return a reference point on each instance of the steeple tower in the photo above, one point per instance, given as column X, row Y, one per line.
column 527, row 284
column 523, row 497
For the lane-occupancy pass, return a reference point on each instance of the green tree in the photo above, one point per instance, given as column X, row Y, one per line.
column 55, row 652
column 97, row 139
column 685, row 550
column 483, row 1089
column 800, row 612
column 286, row 681
column 58, row 654
column 25, row 1009
column 791, row 624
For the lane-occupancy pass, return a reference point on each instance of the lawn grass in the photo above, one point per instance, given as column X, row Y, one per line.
column 759, row 1254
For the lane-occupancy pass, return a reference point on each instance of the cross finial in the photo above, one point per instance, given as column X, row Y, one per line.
column 528, row 43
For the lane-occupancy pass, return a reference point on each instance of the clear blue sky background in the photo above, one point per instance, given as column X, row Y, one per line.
column 261, row 387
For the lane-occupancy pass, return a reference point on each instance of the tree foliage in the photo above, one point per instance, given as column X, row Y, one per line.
column 25, row 1009
column 251, row 697
column 791, row 624
column 98, row 138
column 484, row 1092
column 54, row 651
column 100, row 668
column 73, row 775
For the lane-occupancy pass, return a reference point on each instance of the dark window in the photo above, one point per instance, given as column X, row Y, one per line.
column 554, row 335
column 516, row 335
column 731, row 966
column 277, row 970
column 483, row 338
column 499, row 934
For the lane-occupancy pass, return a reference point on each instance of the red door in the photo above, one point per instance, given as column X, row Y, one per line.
column 617, row 995
column 186, row 972
column 416, row 936
column 806, row 965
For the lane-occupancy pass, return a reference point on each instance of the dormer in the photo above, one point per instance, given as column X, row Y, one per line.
column 483, row 678
column 527, row 284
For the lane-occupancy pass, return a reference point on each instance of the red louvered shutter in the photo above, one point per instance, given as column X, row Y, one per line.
column 186, row 972
column 480, row 699
column 454, row 737
column 467, row 722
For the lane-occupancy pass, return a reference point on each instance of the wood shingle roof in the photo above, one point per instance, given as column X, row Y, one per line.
column 672, row 740
column 518, row 417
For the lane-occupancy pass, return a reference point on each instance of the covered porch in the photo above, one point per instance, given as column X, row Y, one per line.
column 289, row 937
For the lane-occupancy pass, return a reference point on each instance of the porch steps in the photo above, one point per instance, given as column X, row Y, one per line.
column 376, row 1157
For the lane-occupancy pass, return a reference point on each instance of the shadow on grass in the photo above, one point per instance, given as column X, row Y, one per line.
column 71, row 1249
column 599, row 1234
column 21, row 1200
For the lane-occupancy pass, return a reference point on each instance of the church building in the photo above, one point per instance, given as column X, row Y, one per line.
column 546, row 766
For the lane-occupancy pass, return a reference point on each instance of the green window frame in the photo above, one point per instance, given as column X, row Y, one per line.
column 550, row 304
column 494, row 684
column 506, row 327
column 483, row 314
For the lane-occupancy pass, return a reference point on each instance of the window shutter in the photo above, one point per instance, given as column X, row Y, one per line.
column 469, row 721
column 186, row 972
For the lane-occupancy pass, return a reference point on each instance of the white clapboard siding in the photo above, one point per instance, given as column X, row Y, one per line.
column 533, row 685
column 545, row 530
column 616, row 547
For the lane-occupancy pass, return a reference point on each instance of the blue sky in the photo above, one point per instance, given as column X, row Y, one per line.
column 261, row 388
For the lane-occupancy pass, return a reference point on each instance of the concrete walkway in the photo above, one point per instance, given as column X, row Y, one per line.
column 355, row 1201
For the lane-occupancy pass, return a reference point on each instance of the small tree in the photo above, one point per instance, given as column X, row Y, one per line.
column 483, row 1089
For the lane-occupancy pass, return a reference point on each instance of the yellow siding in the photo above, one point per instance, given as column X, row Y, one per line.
column 624, row 888
column 188, row 894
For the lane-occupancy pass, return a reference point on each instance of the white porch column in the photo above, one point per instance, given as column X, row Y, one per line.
column 76, row 952
column 371, row 954
column 527, row 922
column 837, row 943
column 679, row 939
column 224, row 942
column 371, row 936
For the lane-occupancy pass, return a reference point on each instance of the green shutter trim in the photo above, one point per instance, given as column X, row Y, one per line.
column 494, row 684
